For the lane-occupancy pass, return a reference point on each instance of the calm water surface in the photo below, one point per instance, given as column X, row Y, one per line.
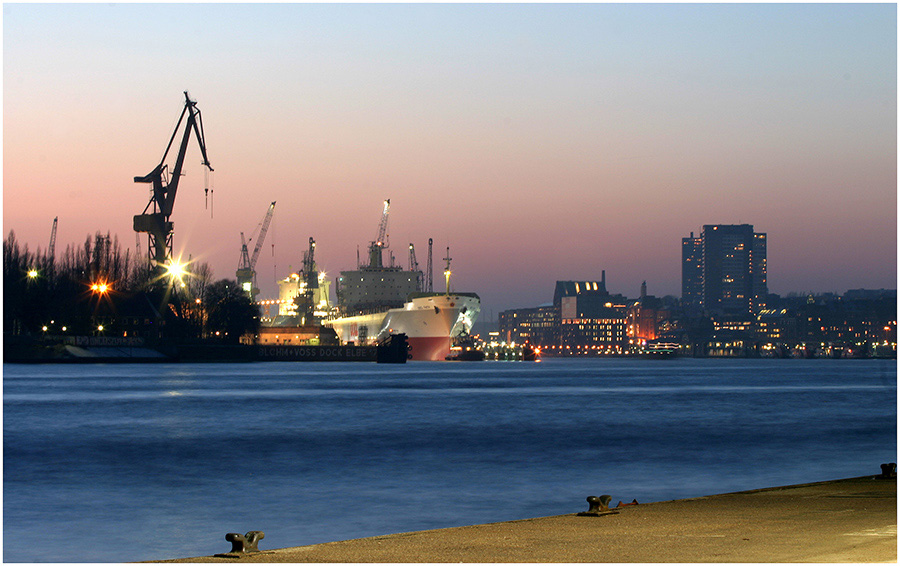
column 111, row 463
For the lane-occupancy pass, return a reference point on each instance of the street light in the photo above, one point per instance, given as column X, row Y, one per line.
column 32, row 273
column 101, row 287
column 176, row 270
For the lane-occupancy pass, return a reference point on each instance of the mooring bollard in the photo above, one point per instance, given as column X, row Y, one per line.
column 888, row 471
column 245, row 543
column 597, row 505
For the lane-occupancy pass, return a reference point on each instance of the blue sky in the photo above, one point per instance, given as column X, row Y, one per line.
column 557, row 140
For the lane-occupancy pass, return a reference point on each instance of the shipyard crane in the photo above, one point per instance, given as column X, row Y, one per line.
column 429, row 271
column 51, row 251
column 164, row 183
column 414, row 266
column 381, row 240
column 246, row 271
column 309, row 266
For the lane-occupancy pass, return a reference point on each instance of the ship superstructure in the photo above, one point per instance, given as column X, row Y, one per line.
column 303, row 298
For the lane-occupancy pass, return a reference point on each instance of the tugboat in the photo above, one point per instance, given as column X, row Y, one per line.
column 464, row 349
column 530, row 353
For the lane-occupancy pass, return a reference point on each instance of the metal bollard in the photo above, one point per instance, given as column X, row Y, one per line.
column 888, row 471
column 245, row 543
column 597, row 505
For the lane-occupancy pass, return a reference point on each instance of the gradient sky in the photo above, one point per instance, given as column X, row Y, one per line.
column 541, row 142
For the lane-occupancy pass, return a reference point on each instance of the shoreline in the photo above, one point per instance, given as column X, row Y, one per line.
column 848, row 520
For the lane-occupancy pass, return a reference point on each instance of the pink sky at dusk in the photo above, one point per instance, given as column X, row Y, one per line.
column 541, row 142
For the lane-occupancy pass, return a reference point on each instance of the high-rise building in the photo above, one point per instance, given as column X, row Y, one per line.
column 732, row 269
column 692, row 274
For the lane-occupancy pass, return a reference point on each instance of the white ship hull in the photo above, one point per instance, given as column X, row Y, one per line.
column 429, row 322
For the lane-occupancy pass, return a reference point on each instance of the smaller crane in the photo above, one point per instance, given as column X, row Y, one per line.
column 381, row 239
column 246, row 271
column 51, row 251
column 414, row 266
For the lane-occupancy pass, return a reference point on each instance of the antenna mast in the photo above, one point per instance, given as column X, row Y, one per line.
column 429, row 270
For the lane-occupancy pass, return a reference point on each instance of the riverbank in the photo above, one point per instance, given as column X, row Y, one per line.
column 851, row 520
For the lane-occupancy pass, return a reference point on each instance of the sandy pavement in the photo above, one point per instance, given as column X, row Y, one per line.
column 853, row 520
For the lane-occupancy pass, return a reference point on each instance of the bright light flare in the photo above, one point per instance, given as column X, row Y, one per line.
column 101, row 287
column 176, row 269
column 32, row 273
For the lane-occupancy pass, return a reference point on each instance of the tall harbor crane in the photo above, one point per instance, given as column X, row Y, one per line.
column 381, row 240
column 156, row 223
column 246, row 271
column 51, row 251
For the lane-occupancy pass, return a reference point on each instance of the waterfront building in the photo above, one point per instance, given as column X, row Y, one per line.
column 584, row 318
column 776, row 326
column 644, row 318
column 732, row 269
column 538, row 326
column 604, row 334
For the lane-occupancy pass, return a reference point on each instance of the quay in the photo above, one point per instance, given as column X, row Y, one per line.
column 850, row 520
column 94, row 349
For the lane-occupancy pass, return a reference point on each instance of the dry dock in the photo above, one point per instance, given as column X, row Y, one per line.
column 852, row 520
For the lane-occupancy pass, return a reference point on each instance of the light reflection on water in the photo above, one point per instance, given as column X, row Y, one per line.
column 165, row 459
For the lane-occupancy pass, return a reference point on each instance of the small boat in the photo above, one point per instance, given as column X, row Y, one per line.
column 464, row 349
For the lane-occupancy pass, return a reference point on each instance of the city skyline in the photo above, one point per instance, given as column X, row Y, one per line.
column 540, row 142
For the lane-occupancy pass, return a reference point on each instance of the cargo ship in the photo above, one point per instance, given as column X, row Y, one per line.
column 378, row 300
column 429, row 320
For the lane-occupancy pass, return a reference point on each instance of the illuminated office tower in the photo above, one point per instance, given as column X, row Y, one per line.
column 692, row 274
column 733, row 269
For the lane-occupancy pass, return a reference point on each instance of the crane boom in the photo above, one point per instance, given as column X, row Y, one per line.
column 262, row 235
column 414, row 266
column 381, row 238
column 52, row 249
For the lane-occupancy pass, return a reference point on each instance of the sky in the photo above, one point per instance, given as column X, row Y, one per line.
column 540, row 142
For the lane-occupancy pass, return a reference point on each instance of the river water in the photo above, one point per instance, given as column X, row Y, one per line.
column 112, row 463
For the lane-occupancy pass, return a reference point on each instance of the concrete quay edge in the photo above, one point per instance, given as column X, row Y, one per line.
column 850, row 520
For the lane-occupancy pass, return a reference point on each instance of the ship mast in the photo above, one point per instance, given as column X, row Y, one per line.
column 447, row 270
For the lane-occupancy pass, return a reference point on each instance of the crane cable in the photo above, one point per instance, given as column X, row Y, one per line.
column 208, row 191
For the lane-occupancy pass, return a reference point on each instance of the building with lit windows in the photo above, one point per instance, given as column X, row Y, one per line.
column 584, row 318
column 644, row 318
column 605, row 333
column 732, row 270
column 692, row 274
column 538, row 326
